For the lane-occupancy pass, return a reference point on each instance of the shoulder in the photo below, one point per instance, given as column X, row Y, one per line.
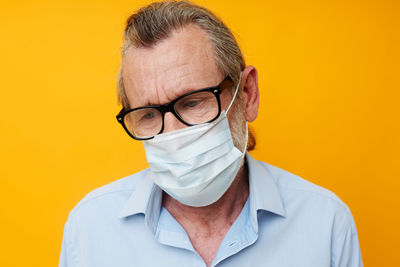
column 300, row 195
column 91, row 221
column 109, row 196
column 318, row 214
column 287, row 181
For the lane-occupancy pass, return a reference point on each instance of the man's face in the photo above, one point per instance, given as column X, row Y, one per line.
column 177, row 65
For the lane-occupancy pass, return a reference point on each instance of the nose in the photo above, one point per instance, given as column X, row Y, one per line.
column 171, row 123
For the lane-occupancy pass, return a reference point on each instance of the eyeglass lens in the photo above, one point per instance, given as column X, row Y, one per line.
column 193, row 109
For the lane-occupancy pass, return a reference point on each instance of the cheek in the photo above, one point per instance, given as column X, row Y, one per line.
column 226, row 99
column 237, row 126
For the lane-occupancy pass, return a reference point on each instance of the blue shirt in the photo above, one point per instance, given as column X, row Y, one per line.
column 286, row 221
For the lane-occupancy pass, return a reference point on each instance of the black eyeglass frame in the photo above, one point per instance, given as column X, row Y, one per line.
column 169, row 107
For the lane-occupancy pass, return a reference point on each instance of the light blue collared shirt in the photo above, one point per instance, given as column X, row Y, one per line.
column 286, row 221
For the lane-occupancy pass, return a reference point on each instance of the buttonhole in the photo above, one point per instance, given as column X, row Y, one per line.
column 231, row 244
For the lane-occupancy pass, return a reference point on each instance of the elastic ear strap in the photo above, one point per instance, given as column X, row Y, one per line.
column 234, row 95
column 247, row 139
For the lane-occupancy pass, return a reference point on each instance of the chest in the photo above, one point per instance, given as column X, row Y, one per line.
column 207, row 245
column 169, row 249
column 132, row 243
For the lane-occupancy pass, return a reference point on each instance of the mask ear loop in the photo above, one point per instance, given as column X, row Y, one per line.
column 234, row 95
column 247, row 139
column 247, row 128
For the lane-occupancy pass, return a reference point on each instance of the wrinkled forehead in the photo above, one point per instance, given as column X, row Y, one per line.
column 177, row 65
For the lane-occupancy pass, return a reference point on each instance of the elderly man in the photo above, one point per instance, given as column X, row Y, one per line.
column 188, row 95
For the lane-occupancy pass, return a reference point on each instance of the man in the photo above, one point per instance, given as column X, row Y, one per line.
column 188, row 95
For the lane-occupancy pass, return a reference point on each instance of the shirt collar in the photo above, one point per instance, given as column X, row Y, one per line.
column 264, row 195
column 146, row 199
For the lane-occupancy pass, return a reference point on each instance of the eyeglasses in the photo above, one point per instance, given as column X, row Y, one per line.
column 196, row 107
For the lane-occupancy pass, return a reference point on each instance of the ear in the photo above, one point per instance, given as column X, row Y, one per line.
column 249, row 83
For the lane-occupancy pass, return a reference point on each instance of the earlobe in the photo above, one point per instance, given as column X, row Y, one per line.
column 250, row 92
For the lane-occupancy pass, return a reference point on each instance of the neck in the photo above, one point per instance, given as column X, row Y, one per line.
column 221, row 213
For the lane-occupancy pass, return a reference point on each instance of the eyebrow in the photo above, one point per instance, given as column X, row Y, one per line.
column 182, row 93
column 185, row 91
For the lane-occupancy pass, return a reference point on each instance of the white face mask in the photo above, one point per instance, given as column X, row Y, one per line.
column 197, row 164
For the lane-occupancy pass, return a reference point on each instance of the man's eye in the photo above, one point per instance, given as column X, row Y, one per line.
column 148, row 116
column 191, row 104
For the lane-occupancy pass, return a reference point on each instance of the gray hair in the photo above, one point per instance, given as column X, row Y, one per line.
column 156, row 21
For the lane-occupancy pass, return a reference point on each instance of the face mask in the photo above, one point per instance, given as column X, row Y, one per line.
column 197, row 164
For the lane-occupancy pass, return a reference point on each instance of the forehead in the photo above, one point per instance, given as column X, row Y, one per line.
column 181, row 63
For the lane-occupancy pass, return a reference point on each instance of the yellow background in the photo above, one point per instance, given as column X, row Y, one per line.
column 329, row 82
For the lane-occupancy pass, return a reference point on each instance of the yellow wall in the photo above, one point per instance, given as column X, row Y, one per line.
column 329, row 80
